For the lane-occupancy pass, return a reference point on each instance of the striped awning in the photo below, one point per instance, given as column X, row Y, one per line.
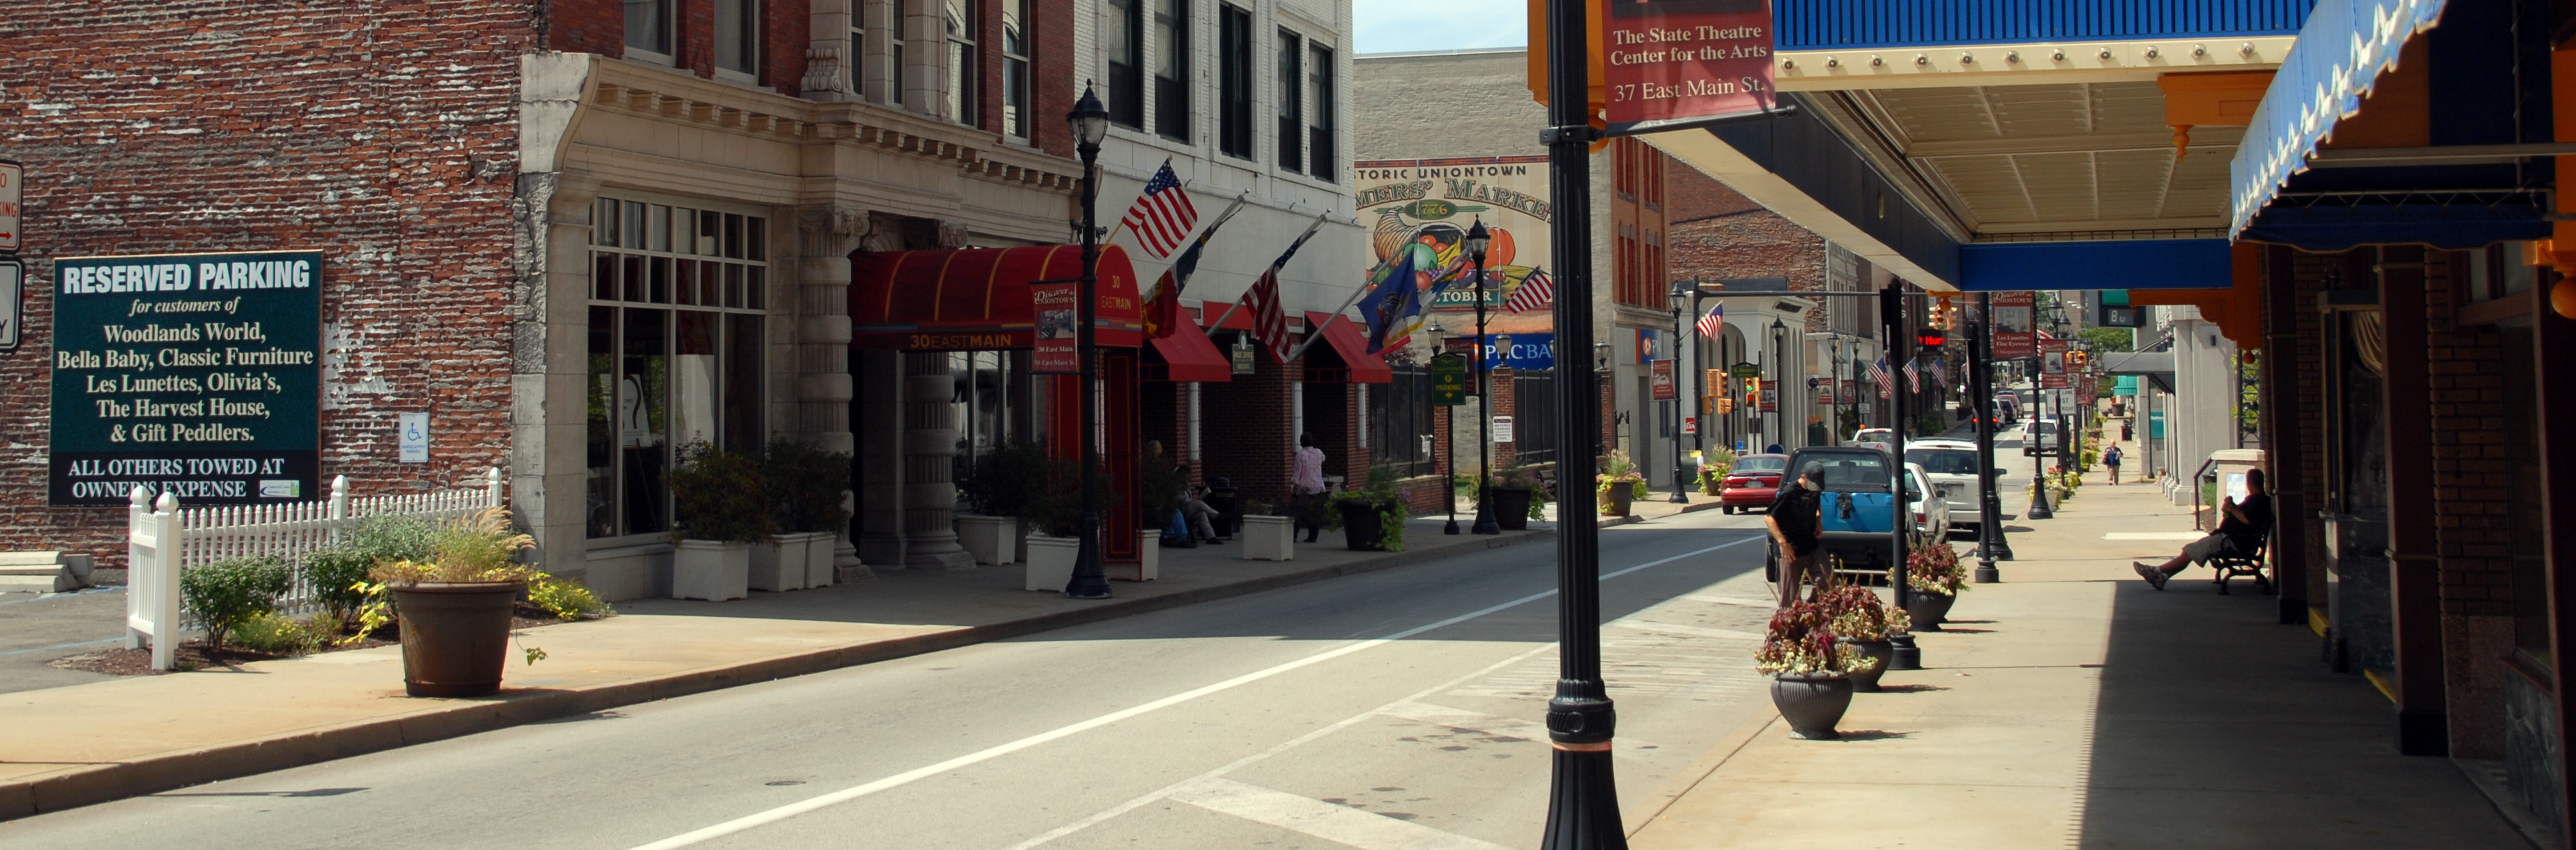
column 977, row 299
column 2339, row 56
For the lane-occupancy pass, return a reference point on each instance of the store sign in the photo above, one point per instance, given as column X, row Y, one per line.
column 1056, row 307
column 1662, row 383
column 2011, row 317
column 1449, row 380
column 195, row 375
column 1529, row 352
column 13, row 301
column 13, row 178
column 1668, row 60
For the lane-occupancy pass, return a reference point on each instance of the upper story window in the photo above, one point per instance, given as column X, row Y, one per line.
column 1172, row 68
column 897, row 49
column 1124, row 37
column 648, row 29
column 1234, row 81
column 1292, row 101
column 1015, row 68
column 1319, row 90
column 965, row 65
column 737, row 37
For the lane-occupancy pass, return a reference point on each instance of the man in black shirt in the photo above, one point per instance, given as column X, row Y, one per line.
column 1796, row 520
column 2247, row 523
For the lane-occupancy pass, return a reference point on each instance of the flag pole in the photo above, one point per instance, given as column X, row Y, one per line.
column 1317, row 332
column 1219, row 324
column 1209, row 231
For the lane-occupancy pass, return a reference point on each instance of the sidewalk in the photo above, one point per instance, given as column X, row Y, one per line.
column 87, row 743
column 2075, row 706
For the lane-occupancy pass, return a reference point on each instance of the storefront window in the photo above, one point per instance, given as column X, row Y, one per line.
column 991, row 403
column 1397, row 419
column 674, row 351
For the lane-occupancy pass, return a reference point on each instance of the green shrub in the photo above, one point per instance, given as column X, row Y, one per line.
column 720, row 496
column 567, row 600
column 227, row 593
column 277, row 635
column 805, row 485
column 335, row 573
column 1006, row 481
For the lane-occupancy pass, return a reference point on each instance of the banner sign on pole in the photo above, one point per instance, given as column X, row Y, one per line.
column 1056, row 305
column 2012, row 319
column 1662, row 384
column 1770, row 400
column 197, row 375
column 1675, row 60
column 1449, row 380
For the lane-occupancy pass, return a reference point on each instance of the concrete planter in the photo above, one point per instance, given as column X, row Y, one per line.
column 455, row 636
column 1269, row 538
column 991, row 539
column 1149, row 566
column 818, row 560
column 1812, row 703
column 1926, row 610
column 1883, row 652
column 710, row 570
column 779, row 565
column 1511, row 508
column 1050, row 564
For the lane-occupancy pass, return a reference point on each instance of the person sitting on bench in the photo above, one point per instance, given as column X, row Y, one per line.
column 2247, row 523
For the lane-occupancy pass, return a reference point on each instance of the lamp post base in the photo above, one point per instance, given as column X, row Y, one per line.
column 1583, row 804
column 1089, row 581
column 1451, row 528
column 1485, row 523
column 1681, row 486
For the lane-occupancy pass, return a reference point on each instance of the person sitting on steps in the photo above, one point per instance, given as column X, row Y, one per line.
column 2247, row 523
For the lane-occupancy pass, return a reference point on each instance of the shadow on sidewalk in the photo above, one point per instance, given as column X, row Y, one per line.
column 2216, row 727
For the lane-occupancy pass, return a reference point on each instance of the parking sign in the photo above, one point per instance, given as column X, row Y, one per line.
column 13, row 291
column 11, row 175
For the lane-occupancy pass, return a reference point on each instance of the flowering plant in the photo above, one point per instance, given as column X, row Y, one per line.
column 1801, row 642
column 1854, row 612
column 1935, row 569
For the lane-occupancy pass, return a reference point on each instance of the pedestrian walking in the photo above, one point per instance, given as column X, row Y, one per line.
column 1306, row 489
column 2111, row 461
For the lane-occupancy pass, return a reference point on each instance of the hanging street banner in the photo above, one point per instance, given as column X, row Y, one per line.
column 2012, row 319
column 1054, row 305
column 197, row 375
column 1664, row 387
column 1677, row 60
column 1449, row 380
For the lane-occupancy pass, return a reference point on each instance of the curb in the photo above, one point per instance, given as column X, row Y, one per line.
column 100, row 783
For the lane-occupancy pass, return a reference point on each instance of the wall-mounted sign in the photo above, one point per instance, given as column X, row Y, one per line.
column 1663, row 386
column 1745, row 370
column 1770, row 400
column 1055, row 305
column 13, row 178
column 1502, row 429
column 1690, row 425
column 2011, row 318
column 1650, row 346
column 1240, row 355
column 1667, row 60
column 1449, row 380
column 13, row 301
column 199, row 375
column 411, row 438
column 1529, row 352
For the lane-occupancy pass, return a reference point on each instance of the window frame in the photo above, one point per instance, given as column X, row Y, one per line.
column 1017, row 94
column 962, row 49
column 1236, row 136
column 1171, row 31
column 749, row 41
column 1288, row 65
column 1323, row 127
column 669, row 13
column 1127, row 72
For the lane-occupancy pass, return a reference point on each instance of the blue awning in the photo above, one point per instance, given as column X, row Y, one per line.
column 2340, row 54
column 2122, row 265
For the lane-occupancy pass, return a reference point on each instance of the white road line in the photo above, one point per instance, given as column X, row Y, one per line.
column 917, row 774
column 1679, row 629
column 1340, row 824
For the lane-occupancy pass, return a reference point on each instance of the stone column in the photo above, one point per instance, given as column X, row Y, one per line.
column 820, row 359
column 830, row 70
column 548, row 430
column 929, row 462
column 878, row 376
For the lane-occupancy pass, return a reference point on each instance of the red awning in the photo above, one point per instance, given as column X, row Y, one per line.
column 1187, row 356
column 1342, row 341
column 978, row 299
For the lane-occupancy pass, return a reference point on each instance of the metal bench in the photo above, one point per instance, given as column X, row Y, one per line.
column 2248, row 564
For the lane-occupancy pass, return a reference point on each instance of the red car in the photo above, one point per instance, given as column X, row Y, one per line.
column 1753, row 483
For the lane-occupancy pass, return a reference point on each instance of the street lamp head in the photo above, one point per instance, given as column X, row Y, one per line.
column 1503, row 348
column 1681, row 296
column 1438, row 335
column 1089, row 119
column 1601, row 355
column 1477, row 240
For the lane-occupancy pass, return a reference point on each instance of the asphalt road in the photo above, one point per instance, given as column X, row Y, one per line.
column 1386, row 710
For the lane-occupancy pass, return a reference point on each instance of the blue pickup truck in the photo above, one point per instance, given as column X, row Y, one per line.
column 1858, row 506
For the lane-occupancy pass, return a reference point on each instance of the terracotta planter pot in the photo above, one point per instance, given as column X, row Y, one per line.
column 1927, row 610
column 1622, row 498
column 1511, row 508
column 1812, row 703
column 1879, row 650
column 455, row 636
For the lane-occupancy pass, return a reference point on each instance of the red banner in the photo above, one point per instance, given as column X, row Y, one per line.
column 1664, row 388
column 1666, row 60
column 2013, row 319
column 1055, row 309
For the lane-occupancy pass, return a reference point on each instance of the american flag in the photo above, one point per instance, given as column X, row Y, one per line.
column 1913, row 379
column 1535, row 292
column 1940, row 372
column 1162, row 217
column 1715, row 321
column 1878, row 372
column 1269, row 319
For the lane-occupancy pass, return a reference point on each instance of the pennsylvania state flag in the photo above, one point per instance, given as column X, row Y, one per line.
column 1398, row 291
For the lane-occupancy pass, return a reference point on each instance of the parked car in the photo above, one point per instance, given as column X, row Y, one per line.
column 1859, row 512
column 2007, row 408
column 2039, row 437
column 1873, row 438
column 1951, row 468
column 1752, row 483
column 1929, row 504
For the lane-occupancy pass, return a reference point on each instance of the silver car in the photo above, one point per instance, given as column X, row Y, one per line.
column 1951, row 467
column 1929, row 504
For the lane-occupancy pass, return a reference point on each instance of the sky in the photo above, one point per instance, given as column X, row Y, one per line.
column 1388, row 26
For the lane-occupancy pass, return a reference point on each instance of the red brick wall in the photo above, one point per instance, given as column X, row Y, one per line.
column 386, row 140
column 2472, row 466
column 1245, row 423
column 586, row 26
column 787, row 31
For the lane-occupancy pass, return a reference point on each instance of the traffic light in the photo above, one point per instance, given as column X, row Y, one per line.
column 1753, row 393
column 1725, row 405
column 1713, row 383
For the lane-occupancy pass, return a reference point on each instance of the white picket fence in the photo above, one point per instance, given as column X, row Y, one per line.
column 163, row 538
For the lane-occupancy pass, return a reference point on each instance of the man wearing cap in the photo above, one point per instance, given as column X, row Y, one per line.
column 1797, row 521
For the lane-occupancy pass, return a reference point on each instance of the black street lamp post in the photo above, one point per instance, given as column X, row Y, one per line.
column 1771, row 387
column 1583, row 794
column 1990, row 515
column 1681, row 480
column 1477, row 240
column 1090, row 123
column 1439, row 337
